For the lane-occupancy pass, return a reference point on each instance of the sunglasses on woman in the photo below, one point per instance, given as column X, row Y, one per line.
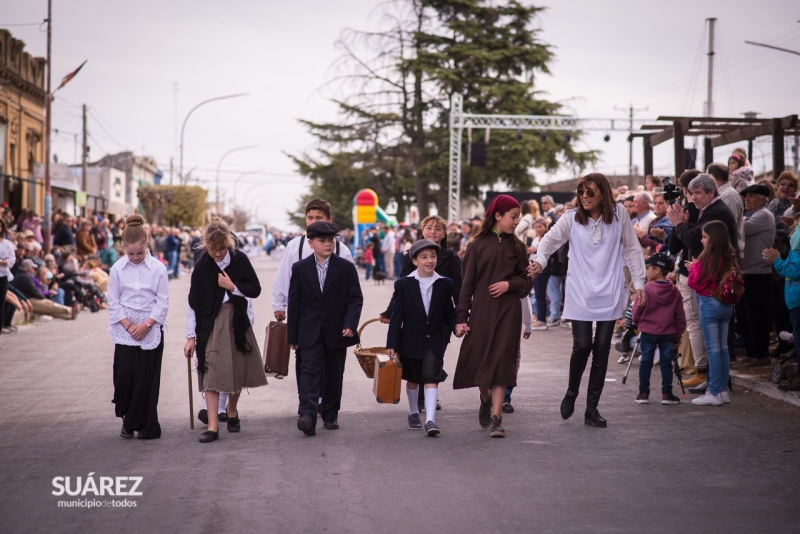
column 588, row 192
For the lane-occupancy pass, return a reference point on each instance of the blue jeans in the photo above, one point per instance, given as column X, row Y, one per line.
column 715, row 318
column 794, row 314
column 398, row 264
column 173, row 268
column 58, row 298
column 540, row 290
column 648, row 344
column 368, row 268
column 380, row 262
column 554, row 288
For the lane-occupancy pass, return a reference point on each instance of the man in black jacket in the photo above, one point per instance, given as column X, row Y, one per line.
column 686, row 239
column 325, row 298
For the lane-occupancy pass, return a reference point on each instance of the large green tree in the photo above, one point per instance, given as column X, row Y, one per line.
column 394, row 86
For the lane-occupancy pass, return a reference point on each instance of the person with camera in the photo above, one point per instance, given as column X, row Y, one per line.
column 686, row 239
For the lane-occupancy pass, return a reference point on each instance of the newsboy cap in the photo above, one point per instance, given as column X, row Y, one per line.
column 756, row 189
column 419, row 246
column 322, row 229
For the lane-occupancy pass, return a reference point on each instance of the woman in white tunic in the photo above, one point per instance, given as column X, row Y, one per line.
column 601, row 242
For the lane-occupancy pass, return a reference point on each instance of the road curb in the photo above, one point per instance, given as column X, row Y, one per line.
column 764, row 388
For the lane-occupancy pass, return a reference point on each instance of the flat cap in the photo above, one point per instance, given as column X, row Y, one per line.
column 419, row 246
column 322, row 229
column 756, row 189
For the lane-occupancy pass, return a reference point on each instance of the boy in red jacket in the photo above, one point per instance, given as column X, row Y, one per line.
column 661, row 323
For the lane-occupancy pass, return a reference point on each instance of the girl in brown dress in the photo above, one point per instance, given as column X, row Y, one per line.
column 489, row 313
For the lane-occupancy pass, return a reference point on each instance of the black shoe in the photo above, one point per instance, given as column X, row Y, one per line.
column 431, row 429
column 699, row 390
column 508, row 408
column 222, row 417
column 123, row 433
column 485, row 413
column 438, row 406
column 331, row 425
column 203, row 416
column 593, row 418
column 568, row 405
column 306, row 425
column 413, row 421
column 139, row 435
column 208, row 436
column 234, row 424
column 496, row 430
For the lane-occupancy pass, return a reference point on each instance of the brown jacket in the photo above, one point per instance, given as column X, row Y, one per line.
column 86, row 243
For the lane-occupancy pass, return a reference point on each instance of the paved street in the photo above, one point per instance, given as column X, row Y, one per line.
column 654, row 469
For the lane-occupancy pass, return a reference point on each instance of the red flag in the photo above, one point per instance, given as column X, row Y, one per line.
column 69, row 76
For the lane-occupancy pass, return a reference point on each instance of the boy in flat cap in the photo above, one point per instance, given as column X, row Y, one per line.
column 661, row 322
column 325, row 298
column 423, row 314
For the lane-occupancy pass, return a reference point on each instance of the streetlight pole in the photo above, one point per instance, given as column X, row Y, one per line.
column 236, row 182
column 48, row 193
column 183, row 127
column 219, row 164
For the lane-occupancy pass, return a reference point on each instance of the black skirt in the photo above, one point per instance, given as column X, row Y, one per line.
column 428, row 370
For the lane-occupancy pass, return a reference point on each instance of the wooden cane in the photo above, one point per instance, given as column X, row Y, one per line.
column 191, row 399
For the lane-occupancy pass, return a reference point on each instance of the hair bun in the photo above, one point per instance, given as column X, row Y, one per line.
column 134, row 220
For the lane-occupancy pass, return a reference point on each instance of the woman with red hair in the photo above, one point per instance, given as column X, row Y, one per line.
column 489, row 313
column 601, row 242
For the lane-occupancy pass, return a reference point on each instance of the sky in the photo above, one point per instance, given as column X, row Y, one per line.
column 608, row 55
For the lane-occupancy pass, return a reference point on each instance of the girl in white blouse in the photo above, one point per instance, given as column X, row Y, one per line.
column 7, row 258
column 601, row 241
column 138, row 300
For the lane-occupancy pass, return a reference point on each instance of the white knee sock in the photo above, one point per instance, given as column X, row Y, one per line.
column 413, row 397
column 223, row 403
column 205, row 404
column 430, row 403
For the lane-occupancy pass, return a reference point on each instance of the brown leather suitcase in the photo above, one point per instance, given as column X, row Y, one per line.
column 276, row 350
column 388, row 375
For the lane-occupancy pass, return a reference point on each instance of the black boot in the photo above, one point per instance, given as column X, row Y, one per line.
column 568, row 404
column 593, row 418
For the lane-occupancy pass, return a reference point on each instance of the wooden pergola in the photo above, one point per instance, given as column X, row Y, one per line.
column 717, row 132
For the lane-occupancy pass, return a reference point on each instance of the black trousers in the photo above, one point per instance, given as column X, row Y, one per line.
column 754, row 314
column 582, row 347
column 137, row 381
column 322, row 371
column 3, row 291
column 298, row 370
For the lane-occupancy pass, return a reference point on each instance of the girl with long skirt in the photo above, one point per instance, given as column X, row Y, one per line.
column 219, row 325
column 138, row 300
column 489, row 313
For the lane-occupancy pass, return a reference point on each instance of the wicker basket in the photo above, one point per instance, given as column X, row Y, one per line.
column 366, row 355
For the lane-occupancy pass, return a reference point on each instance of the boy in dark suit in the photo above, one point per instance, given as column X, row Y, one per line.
column 325, row 298
column 423, row 315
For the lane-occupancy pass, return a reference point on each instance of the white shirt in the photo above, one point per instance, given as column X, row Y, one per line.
column 595, row 284
column 136, row 292
column 388, row 242
column 191, row 318
column 280, row 288
column 426, row 287
column 7, row 252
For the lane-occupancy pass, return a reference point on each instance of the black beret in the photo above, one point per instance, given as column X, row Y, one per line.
column 756, row 189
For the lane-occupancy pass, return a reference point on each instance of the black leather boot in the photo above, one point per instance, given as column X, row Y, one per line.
column 593, row 418
column 568, row 404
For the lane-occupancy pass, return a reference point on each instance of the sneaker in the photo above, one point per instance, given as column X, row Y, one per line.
column 538, row 325
column 431, row 429
column 554, row 322
column 643, row 398
column 566, row 323
column 699, row 390
column 508, row 407
column 625, row 358
column 124, row 433
column 707, row 399
column 669, row 399
column 413, row 421
column 695, row 380
column 497, row 431
column 725, row 396
column 485, row 413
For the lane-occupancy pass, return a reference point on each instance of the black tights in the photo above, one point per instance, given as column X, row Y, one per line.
column 582, row 346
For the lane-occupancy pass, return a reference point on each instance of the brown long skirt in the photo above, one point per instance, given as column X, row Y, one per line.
column 229, row 371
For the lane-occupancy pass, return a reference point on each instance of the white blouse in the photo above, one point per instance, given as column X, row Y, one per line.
column 191, row 317
column 8, row 253
column 595, row 285
column 136, row 292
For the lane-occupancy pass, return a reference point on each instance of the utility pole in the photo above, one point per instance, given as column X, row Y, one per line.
column 631, row 111
column 48, row 193
column 84, row 160
column 710, row 96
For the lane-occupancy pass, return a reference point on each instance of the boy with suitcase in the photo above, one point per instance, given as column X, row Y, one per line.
column 325, row 298
column 422, row 315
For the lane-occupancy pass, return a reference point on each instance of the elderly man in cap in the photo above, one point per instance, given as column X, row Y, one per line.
column 753, row 311
column 41, row 305
column 325, row 298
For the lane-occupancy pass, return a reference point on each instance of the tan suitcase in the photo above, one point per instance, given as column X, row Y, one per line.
column 276, row 350
column 388, row 376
